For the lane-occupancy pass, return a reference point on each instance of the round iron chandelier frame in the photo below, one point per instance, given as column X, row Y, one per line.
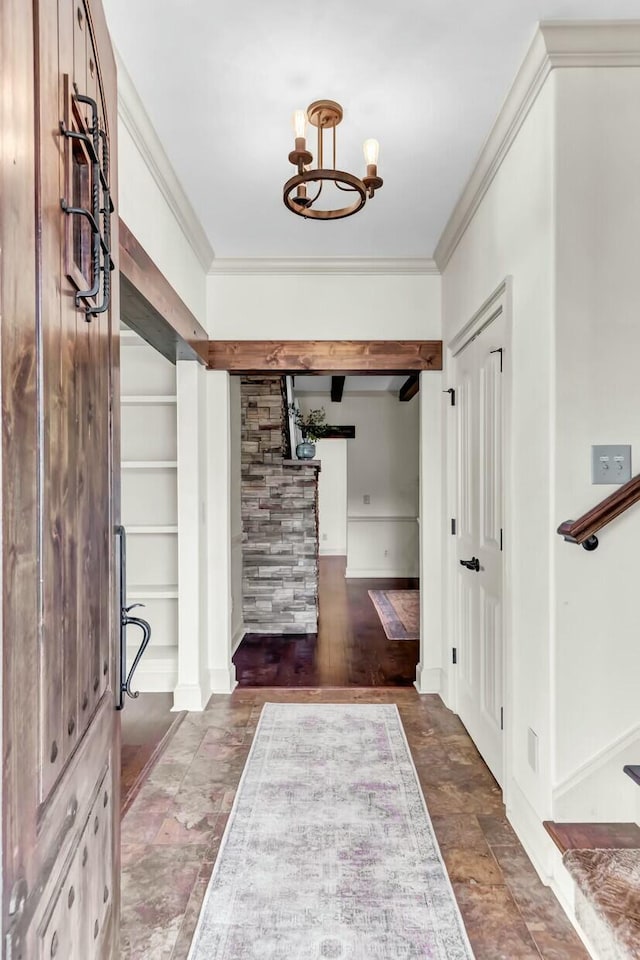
column 325, row 115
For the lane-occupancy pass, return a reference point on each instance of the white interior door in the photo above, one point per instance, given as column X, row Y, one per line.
column 332, row 496
column 478, row 573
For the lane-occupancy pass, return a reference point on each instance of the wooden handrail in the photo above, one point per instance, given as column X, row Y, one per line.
column 583, row 531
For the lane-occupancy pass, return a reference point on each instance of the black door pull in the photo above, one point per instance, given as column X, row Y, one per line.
column 473, row 564
column 126, row 620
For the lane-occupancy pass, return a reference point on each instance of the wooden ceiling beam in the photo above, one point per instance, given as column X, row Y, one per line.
column 326, row 357
column 151, row 306
column 337, row 388
column 409, row 388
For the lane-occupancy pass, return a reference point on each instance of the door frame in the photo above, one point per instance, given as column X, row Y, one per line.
column 498, row 304
column 406, row 357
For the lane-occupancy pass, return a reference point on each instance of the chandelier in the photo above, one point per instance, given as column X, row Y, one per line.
column 326, row 115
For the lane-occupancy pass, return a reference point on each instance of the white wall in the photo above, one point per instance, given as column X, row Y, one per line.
column 512, row 233
column 562, row 218
column 237, row 624
column 332, row 497
column 597, row 606
column 149, row 217
column 382, row 464
column 323, row 307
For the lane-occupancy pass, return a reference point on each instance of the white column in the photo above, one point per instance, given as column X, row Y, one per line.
column 192, row 690
column 429, row 669
column 221, row 672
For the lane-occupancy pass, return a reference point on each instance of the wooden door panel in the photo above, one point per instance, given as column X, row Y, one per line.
column 78, row 915
column 60, row 500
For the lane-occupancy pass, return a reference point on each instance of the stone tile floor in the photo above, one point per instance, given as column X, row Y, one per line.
column 171, row 834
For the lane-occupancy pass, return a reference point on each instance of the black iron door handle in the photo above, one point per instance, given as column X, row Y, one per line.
column 473, row 564
column 128, row 621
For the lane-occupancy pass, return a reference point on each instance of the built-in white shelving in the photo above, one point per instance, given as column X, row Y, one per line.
column 151, row 528
column 149, row 464
column 149, row 506
column 149, row 400
column 152, row 592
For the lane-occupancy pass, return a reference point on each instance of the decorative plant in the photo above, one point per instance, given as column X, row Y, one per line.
column 311, row 425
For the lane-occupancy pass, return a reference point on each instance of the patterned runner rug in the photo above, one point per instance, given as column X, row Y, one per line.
column 329, row 851
column 399, row 612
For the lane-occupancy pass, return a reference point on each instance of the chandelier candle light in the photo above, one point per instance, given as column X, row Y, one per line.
column 326, row 115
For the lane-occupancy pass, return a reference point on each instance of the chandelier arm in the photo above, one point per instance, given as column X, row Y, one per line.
column 346, row 189
column 334, row 148
column 313, row 199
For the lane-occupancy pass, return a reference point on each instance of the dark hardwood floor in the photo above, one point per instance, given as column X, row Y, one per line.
column 349, row 650
column 147, row 727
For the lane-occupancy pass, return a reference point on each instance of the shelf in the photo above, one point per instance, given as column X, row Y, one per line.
column 153, row 529
column 152, row 592
column 150, row 400
column 170, row 652
column 149, row 465
column 303, row 463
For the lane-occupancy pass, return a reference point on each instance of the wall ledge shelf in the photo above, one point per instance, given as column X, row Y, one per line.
column 151, row 529
column 149, row 465
column 152, row 592
column 149, row 400
column 303, row 463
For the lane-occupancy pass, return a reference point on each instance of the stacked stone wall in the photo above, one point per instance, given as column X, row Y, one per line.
column 279, row 519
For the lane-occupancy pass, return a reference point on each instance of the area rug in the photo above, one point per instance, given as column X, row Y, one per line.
column 329, row 851
column 399, row 612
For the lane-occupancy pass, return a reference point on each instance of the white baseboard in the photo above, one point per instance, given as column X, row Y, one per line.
column 190, row 696
column 237, row 638
column 544, row 855
column 333, row 551
column 428, row 679
column 223, row 680
column 357, row 573
column 157, row 672
column 526, row 822
column 597, row 791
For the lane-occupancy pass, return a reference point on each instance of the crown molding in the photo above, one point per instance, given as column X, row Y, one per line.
column 132, row 112
column 314, row 266
column 555, row 45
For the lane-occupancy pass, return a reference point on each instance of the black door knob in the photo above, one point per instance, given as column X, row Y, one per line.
column 473, row 564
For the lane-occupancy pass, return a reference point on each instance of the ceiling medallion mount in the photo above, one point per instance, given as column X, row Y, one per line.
column 326, row 115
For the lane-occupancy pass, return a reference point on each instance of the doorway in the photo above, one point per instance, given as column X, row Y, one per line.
column 366, row 544
column 477, row 561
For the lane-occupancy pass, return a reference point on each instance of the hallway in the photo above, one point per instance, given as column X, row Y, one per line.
column 171, row 835
column 350, row 650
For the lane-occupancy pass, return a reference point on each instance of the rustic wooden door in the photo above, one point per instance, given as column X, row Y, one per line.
column 60, row 502
column 479, row 532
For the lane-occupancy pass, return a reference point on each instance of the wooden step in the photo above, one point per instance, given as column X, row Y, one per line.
column 594, row 836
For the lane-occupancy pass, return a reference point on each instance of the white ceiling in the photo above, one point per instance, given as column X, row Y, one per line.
column 352, row 384
column 220, row 81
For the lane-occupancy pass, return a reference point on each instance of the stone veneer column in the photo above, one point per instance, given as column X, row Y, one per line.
column 279, row 519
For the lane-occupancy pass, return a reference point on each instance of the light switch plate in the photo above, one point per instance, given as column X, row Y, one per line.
column 611, row 463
